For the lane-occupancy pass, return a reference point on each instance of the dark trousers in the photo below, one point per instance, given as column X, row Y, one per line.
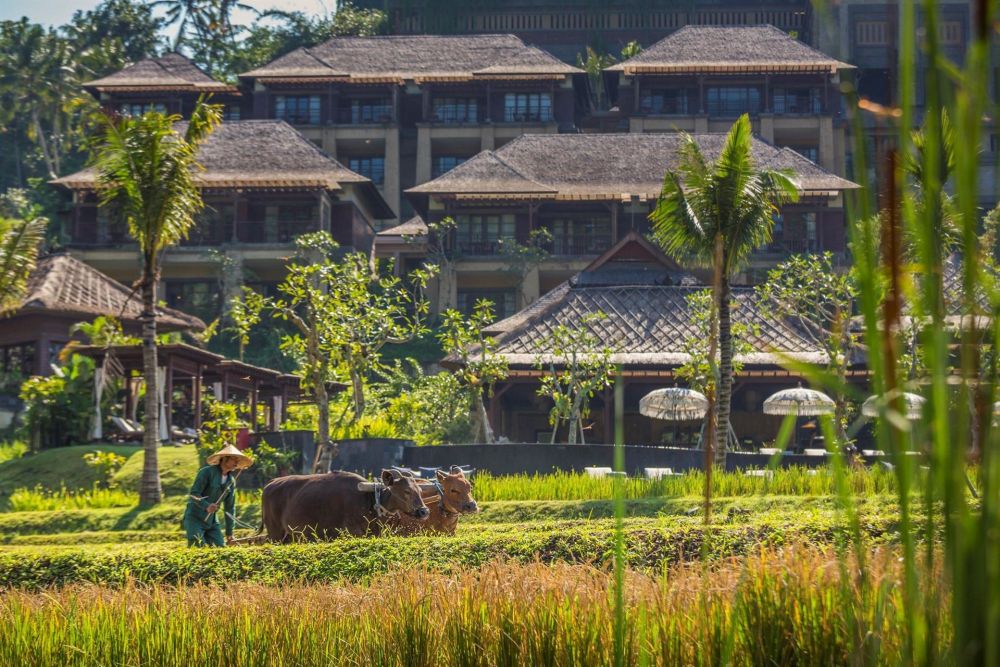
column 200, row 535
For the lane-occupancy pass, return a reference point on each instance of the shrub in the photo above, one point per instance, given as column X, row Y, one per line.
column 39, row 499
column 106, row 463
column 59, row 408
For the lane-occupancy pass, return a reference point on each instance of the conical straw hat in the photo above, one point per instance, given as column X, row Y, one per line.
column 244, row 461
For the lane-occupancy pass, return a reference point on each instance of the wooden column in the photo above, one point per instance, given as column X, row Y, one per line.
column 196, row 383
column 168, row 396
column 253, row 404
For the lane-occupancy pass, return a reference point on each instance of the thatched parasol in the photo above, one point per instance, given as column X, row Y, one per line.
column 799, row 401
column 914, row 404
column 674, row 404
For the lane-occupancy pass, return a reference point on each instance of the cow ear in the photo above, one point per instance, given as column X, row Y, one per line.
column 388, row 478
column 441, row 475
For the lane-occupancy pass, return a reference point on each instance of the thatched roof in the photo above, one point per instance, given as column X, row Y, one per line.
column 701, row 48
column 261, row 154
column 172, row 72
column 421, row 58
column 63, row 285
column 601, row 166
column 413, row 227
column 647, row 320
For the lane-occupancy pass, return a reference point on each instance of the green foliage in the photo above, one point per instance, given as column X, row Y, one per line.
column 14, row 449
column 40, row 499
column 20, row 241
column 520, row 259
column 699, row 371
column 218, row 428
column 577, row 368
column 429, row 409
column 594, row 64
column 106, row 463
column 269, row 462
column 59, row 408
column 479, row 365
column 103, row 331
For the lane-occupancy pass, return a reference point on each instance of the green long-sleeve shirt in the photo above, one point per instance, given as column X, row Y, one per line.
column 207, row 488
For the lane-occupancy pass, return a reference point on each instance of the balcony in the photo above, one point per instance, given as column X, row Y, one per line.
column 593, row 244
column 541, row 116
column 375, row 114
column 781, row 249
column 249, row 232
column 457, row 116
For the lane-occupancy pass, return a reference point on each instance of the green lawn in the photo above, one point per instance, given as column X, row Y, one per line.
column 53, row 468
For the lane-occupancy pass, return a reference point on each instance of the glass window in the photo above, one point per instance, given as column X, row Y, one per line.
column 479, row 234
column 200, row 298
column 19, row 358
column 504, row 301
column 231, row 112
column 297, row 109
column 808, row 152
column 733, row 101
column 580, row 236
column 871, row 33
column 370, row 167
column 520, row 107
column 667, row 101
column 456, row 110
column 140, row 108
column 445, row 163
column 796, row 100
column 366, row 110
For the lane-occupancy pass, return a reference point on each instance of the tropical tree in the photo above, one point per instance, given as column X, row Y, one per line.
column 146, row 171
column 344, row 310
column 716, row 213
column 480, row 366
column 578, row 367
column 20, row 239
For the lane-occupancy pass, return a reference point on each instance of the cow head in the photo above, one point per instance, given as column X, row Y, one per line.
column 457, row 497
column 404, row 495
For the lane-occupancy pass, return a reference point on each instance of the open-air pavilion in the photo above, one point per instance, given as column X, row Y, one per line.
column 185, row 374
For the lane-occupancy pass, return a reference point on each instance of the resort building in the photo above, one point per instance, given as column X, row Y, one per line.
column 169, row 84
column 647, row 327
column 588, row 191
column 700, row 78
column 568, row 27
column 264, row 184
column 402, row 110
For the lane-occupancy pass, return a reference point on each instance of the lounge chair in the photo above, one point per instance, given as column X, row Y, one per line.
column 598, row 471
column 127, row 431
column 769, row 451
column 814, row 452
column 657, row 473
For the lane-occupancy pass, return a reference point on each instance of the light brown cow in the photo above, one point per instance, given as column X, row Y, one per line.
column 448, row 499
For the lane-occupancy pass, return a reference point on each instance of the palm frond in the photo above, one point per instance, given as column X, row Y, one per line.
column 18, row 252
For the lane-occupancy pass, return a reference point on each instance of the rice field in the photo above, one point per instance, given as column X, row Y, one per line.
column 778, row 607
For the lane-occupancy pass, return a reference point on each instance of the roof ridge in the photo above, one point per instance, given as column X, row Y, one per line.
column 516, row 171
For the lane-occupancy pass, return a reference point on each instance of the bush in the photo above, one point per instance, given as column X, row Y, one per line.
column 106, row 463
column 39, row 499
column 59, row 407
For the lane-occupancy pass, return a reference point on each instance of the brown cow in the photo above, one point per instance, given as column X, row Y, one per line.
column 330, row 505
column 448, row 499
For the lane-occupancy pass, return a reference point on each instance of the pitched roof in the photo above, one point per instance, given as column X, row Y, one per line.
column 395, row 58
column 647, row 317
column 601, row 166
column 169, row 72
column 415, row 226
column 700, row 48
column 63, row 285
column 260, row 153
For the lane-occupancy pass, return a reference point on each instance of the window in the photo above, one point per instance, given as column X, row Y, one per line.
column 19, row 358
column 580, row 236
column 808, row 152
column 664, row 102
column 297, row 109
column 200, row 298
column 796, row 100
column 230, row 112
column 503, row 301
column 520, row 107
column 295, row 220
column 213, row 224
column 875, row 85
column 363, row 111
column 445, row 163
column 871, row 33
column 456, row 110
column 371, row 167
column 140, row 108
column 950, row 33
column 479, row 234
column 733, row 101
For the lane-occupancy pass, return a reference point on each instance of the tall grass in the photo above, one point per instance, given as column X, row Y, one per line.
column 40, row 499
column 779, row 607
column 790, row 481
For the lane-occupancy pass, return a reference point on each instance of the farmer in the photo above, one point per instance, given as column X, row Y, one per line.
column 215, row 485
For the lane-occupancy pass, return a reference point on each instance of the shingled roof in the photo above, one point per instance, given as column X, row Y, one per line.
column 172, row 72
column 261, row 153
column 700, row 48
column 63, row 285
column 601, row 166
column 397, row 58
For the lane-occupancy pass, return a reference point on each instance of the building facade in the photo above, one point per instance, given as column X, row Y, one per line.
column 404, row 109
column 264, row 184
column 587, row 191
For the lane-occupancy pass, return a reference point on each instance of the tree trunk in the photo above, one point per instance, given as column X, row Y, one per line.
column 574, row 419
column 150, row 492
column 358, row 389
column 324, row 448
column 484, row 420
column 724, row 396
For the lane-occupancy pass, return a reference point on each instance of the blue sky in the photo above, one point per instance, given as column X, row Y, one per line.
column 57, row 12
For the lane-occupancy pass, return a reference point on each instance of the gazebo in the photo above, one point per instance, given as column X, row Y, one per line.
column 191, row 371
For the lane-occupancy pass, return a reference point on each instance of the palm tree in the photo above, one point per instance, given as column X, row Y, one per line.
column 146, row 172
column 715, row 214
column 19, row 243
